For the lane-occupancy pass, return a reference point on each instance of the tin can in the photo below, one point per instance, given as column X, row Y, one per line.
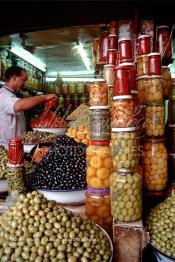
column 112, row 42
column 125, row 50
column 121, row 81
column 154, row 64
column 144, row 45
column 15, row 151
column 111, row 57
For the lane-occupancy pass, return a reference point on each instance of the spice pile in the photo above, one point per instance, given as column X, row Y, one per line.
column 63, row 167
column 37, row 137
column 49, row 120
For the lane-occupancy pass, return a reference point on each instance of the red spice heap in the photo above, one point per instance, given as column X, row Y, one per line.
column 49, row 120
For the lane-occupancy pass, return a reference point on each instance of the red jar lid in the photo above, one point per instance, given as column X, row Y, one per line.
column 124, row 38
column 15, row 140
column 100, row 143
column 105, row 191
column 143, row 36
column 155, row 53
column 122, row 97
column 126, row 64
column 112, row 35
column 121, row 67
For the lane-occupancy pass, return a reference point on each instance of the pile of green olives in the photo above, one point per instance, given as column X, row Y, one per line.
column 161, row 226
column 36, row 229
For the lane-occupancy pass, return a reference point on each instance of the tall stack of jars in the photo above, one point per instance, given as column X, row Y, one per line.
column 150, row 92
column 125, row 185
column 99, row 157
column 15, row 168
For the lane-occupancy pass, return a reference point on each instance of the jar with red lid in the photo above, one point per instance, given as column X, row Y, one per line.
column 98, row 164
column 108, row 74
column 125, row 50
column 144, row 45
column 142, row 65
column 154, row 64
column 166, row 80
column 98, row 207
column 98, row 93
column 142, row 87
column 15, row 178
column 155, row 165
column 67, row 101
column 171, row 139
column 121, row 81
column 132, row 74
column 171, row 112
column 155, row 119
column 154, row 92
column 100, row 124
column 111, row 57
column 123, row 108
column 103, row 46
column 15, row 151
column 163, row 43
column 112, row 42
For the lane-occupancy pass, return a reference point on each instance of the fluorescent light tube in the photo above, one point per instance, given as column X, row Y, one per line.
column 78, row 79
column 28, row 57
column 76, row 73
column 84, row 57
column 50, row 79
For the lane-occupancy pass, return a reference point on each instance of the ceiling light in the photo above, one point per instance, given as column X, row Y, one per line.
column 28, row 57
column 78, row 79
column 50, row 79
column 84, row 57
column 76, row 73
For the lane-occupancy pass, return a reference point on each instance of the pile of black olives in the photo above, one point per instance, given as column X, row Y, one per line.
column 161, row 226
column 63, row 167
column 41, row 231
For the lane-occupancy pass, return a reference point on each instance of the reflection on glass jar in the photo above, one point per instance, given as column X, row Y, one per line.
column 166, row 80
column 155, row 165
column 154, row 92
column 126, row 195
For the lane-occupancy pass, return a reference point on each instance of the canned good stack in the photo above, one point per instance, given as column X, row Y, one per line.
column 15, row 167
column 99, row 157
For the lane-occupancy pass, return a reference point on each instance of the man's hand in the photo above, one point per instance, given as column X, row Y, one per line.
column 51, row 97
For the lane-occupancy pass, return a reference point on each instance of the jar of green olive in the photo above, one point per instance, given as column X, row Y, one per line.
column 15, row 178
column 126, row 195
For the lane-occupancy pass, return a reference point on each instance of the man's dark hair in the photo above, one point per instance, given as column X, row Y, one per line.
column 13, row 71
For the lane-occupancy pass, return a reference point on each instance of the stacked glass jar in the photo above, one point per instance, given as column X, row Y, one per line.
column 125, row 181
column 99, row 157
column 15, row 168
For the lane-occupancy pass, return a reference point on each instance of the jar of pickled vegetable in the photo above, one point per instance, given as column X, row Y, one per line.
column 100, row 126
column 98, row 207
column 154, row 64
column 166, row 80
column 155, row 119
column 80, row 88
column 142, row 88
column 144, row 45
column 171, row 112
column 72, row 88
column 154, row 92
column 126, row 195
column 15, row 151
column 98, row 164
column 125, row 142
column 123, row 108
column 15, row 178
column 163, row 43
column 171, row 139
column 108, row 74
column 132, row 74
column 121, row 81
column 142, row 65
column 125, row 50
column 98, row 93
column 155, row 165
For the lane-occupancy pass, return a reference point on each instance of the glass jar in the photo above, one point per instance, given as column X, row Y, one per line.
column 171, row 91
column 15, row 178
column 154, row 64
column 100, row 126
column 110, row 96
column 61, row 100
column 142, row 87
column 166, row 80
column 111, row 57
column 98, row 164
column 123, row 109
column 154, row 92
column 112, row 42
column 155, row 165
column 67, row 101
column 144, row 45
column 113, row 28
column 171, row 139
column 155, row 119
column 121, row 81
column 163, row 43
column 171, row 112
column 132, row 74
column 80, row 88
column 124, row 147
column 125, row 50
column 126, row 195
column 142, row 65
column 72, row 88
column 103, row 46
column 98, row 93
column 15, row 151
column 108, row 74
column 75, row 101
column 65, row 89
column 98, row 207
column 84, row 99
